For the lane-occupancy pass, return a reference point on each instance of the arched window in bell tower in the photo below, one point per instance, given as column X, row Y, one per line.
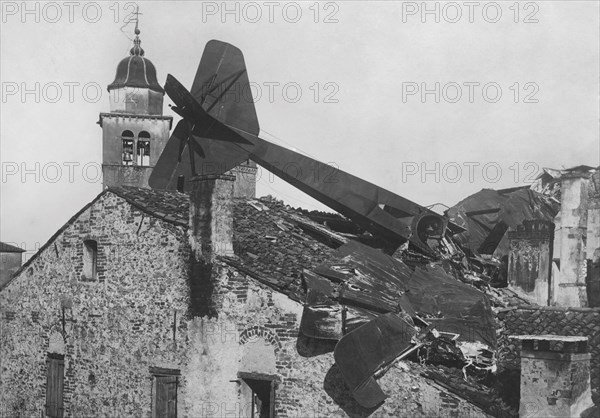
column 143, row 149
column 127, row 142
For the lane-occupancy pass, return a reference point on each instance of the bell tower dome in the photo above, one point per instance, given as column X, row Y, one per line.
column 134, row 132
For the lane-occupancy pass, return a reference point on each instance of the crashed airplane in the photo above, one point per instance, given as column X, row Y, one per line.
column 365, row 302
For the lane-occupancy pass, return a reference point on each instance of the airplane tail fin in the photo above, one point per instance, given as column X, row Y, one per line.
column 222, row 88
column 220, row 136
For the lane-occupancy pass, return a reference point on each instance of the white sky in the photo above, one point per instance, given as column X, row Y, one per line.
column 371, row 51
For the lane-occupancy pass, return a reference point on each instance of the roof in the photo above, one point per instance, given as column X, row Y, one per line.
column 548, row 337
column 7, row 248
column 136, row 71
column 580, row 168
column 278, row 245
column 168, row 205
column 549, row 172
column 273, row 241
column 484, row 210
column 555, row 174
column 278, row 242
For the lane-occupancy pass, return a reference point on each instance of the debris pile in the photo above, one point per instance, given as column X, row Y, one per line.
column 370, row 308
column 380, row 310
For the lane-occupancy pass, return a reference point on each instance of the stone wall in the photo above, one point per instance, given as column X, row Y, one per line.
column 114, row 328
column 550, row 320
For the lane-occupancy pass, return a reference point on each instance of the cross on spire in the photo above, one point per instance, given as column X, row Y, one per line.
column 137, row 49
column 137, row 19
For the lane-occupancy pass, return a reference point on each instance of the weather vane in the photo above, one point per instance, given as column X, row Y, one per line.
column 137, row 19
column 130, row 19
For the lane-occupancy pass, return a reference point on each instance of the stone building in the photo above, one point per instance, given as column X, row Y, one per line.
column 578, row 242
column 557, row 263
column 548, row 235
column 156, row 303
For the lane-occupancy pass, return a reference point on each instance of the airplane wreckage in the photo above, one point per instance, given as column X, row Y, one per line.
column 411, row 291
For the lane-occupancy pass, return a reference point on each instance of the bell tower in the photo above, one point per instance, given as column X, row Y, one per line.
column 134, row 132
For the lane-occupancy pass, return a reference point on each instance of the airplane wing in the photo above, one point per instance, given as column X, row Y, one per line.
column 363, row 351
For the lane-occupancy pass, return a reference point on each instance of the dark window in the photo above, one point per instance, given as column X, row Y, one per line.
column 55, row 385
column 143, row 149
column 90, row 257
column 165, row 392
column 127, row 138
column 261, row 391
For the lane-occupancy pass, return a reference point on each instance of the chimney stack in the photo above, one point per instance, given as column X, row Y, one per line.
column 555, row 376
column 211, row 216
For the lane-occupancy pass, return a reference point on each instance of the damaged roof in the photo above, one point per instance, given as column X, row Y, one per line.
column 283, row 248
column 276, row 243
column 487, row 209
column 168, row 205
column 273, row 241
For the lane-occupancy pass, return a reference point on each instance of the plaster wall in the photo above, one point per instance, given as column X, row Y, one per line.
column 571, row 286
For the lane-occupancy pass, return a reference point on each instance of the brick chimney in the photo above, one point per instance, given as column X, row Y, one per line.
column 211, row 216
column 555, row 376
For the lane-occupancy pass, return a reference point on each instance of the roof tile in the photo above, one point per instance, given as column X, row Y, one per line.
column 270, row 238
